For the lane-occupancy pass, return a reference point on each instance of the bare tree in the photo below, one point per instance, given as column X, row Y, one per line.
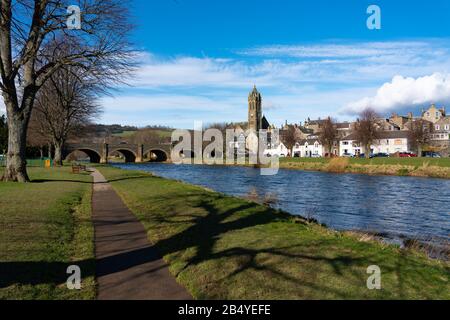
column 27, row 60
column 420, row 134
column 66, row 101
column 289, row 137
column 149, row 136
column 366, row 129
column 328, row 135
column 37, row 134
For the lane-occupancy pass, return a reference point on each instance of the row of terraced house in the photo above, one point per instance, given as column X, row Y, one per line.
column 393, row 137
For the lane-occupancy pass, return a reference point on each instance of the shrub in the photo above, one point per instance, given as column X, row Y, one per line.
column 338, row 165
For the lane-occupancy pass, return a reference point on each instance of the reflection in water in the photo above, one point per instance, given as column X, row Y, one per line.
column 396, row 206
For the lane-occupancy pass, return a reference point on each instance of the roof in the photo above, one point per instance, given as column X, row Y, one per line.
column 265, row 123
column 382, row 135
column 316, row 122
column 305, row 130
column 343, row 125
column 445, row 120
column 309, row 141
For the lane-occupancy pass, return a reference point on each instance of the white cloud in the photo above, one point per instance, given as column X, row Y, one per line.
column 343, row 50
column 192, row 72
column 282, row 67
column 296, row 82
column 404, row 92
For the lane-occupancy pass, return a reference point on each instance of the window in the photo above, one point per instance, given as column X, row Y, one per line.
column 438, row 127
column 447, row 127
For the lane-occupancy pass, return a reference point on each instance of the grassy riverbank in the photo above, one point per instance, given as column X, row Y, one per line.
column 45, row 226
column 418, row 167
column 222, row 247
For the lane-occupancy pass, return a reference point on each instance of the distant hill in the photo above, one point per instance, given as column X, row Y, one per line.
column 97, row 133
column 107, row 130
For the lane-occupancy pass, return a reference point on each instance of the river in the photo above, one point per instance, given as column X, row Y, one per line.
column 396, row 207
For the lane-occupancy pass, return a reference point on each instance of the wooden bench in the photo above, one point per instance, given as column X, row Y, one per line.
column 78, row 168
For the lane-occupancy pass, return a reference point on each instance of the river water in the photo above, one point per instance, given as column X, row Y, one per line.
column 396, row 207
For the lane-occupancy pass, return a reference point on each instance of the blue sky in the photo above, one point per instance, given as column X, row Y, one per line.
column 200, row 58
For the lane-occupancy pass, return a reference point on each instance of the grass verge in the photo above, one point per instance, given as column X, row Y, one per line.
column 45, row 226
column 221, row 247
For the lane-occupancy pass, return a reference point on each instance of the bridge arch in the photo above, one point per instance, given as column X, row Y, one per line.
column 130, row 156
column 94, row 155
column 156, row 155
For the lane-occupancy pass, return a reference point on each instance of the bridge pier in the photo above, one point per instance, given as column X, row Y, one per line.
column 105, row 154
column 140, row 154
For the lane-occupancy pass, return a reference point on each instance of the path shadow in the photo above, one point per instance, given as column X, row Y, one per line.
column 54, row 273
column 61, row 180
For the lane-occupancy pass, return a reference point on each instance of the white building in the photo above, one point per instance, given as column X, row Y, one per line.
column 309, row 148
column 279, row 151
column 389, row 142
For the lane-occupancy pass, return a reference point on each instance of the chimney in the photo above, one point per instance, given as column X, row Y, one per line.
column 443, row 111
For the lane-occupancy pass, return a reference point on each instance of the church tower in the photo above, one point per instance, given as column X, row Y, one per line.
column 254, row 111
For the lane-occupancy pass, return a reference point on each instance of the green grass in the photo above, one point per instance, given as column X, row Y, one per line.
column 125, row 134
column 45, row 226
column 159, row 133
column 221, row 247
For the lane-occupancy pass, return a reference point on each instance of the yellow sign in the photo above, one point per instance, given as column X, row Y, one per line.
column 48, row 163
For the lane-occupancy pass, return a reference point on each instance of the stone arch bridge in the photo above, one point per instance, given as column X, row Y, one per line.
column 100, row 153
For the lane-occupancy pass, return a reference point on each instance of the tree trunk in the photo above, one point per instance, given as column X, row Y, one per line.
column 16, row 164
column 58, row 153
column 419, row 151
column 49, row 150
column 368, row 151
column 41, row 151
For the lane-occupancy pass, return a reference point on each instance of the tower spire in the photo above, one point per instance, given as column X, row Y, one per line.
column 254, row 110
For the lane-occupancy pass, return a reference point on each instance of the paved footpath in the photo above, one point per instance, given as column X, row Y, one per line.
column 128, row 267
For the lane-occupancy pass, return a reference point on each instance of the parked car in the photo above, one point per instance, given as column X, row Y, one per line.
column 363, row 155
column 381, row 155
column 327, row 155
column 347, row 155
column 429, row 154
column 407, row 155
